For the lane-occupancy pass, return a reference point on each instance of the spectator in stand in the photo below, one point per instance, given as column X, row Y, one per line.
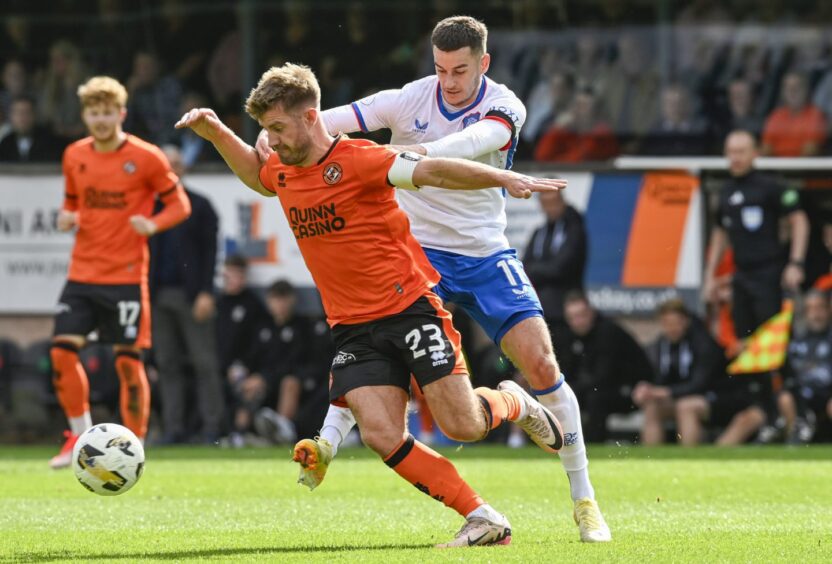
column 111, row 38
column 678, row 131
column 194, row 148
column 797, row 128
column 630, row 93
column 184, row 331
column 241, row 315
column 154, row 100
column 27, row 142
column 580, row 135
column 602, row 361
column 555, row 257
column 549, row 100
column 287, row 376
column 807, row 394
column 10, row 365
column 15, row 83
column 686, row 360
column 59, row 103
column 591, row 68
column 741, row 113
column 187, row 52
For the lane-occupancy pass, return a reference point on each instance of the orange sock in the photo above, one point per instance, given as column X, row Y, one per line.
column 498, row 406
column 433, row 474
column 134, row 393
column 70, row 379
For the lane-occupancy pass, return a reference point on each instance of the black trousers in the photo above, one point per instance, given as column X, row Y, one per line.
column 757, row 296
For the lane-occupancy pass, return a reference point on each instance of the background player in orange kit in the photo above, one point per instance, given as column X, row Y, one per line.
column 112, row 180
column 375, row 281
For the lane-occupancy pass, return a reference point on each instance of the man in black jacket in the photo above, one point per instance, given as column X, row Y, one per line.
column 555, row 257
column 184, row 332
column 686, row 358
column 27, row 142
column 602, row 362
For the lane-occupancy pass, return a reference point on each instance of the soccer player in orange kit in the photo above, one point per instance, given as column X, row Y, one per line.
column 375, row 283
column 112, row 180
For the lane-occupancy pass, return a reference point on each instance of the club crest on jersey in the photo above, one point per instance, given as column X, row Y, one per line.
column 333, row 173
column 420, row 127
column 129, row 167
column 470, row 119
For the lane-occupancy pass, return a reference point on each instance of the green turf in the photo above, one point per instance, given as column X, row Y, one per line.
column 663, row 505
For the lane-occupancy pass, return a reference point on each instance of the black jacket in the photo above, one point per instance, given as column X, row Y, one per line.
column 197, row 240
column 45, row 148
column 691, row 365
column 555, row 260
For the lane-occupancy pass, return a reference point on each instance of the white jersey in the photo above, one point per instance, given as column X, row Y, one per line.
column 466, row 222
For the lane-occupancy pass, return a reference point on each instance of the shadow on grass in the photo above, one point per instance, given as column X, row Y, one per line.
column 208, row 552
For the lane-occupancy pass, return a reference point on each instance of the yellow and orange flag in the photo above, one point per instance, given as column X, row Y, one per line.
column 765, row 350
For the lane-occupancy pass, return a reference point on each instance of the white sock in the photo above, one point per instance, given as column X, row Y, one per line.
column 486, row 512
column 563, row 403
column 337, row 423
column 80, row 424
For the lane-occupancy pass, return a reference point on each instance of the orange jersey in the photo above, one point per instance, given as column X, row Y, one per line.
column 354, row 238
column 106, row 189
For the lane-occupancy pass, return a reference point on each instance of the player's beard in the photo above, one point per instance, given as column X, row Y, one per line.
column 293, row 156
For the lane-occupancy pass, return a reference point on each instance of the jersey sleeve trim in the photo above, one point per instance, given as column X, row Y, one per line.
column 168, row 191
column 264, row 178
column 360, row 118
column 503, row 118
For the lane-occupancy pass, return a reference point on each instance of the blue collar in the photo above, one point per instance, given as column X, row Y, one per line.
column 452, row 116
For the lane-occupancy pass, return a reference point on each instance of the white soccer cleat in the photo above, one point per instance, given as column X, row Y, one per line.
column 480, row 532
column 590, row 522
column 539, row 423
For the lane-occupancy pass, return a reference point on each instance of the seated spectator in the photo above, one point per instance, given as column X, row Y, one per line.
column 59, row 105
column 580, row 135
column 807, row 392
column 631, row 89
column 15, row 83
column 289, row 374
column 27, row 142
column 602, row 362
column 797, row 128
column 739, row 115
column 686, row 358
column 548, row 101
column 677, row 131
column 737, row 403
column 555, row 257
column 194, row 148
column 241, row 315
column 153, row 105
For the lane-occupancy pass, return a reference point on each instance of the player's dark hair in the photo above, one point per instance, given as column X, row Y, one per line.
column 281, row 289
column 576, row 296
column 674, row 305
column 457, row 32
column 236, row 261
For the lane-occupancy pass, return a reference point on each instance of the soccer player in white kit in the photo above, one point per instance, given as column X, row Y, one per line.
column 459, row 112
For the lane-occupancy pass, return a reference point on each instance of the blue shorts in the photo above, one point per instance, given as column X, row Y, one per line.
column 494, row 290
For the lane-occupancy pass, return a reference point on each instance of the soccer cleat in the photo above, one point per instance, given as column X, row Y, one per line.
column 270, row 425
column 590, row 521
column 64, row 458
column 539, row 423
column 480, row 532
column 314, row 457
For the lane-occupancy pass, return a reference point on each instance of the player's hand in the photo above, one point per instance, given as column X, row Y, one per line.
column 203, row 121
column 418, row 149
column 793, row 277
column 204, row 306
column 264, row 150
column 522, row 186
column 143, row 225
column 67, row 220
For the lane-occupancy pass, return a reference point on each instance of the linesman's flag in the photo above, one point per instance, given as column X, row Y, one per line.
column 765, row 349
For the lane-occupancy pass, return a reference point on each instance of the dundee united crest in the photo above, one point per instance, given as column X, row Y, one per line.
column 332, row 173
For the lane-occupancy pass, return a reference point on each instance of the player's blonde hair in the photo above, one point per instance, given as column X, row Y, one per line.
column 289, row 86
column 102, row 90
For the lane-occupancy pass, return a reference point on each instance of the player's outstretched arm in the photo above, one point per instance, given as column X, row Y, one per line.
column 458, row 174
column 240, row 156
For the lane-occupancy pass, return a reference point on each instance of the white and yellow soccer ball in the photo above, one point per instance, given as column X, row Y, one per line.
column 108, row 459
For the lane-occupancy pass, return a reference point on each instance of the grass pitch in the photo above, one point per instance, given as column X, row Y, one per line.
column 195, row 504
